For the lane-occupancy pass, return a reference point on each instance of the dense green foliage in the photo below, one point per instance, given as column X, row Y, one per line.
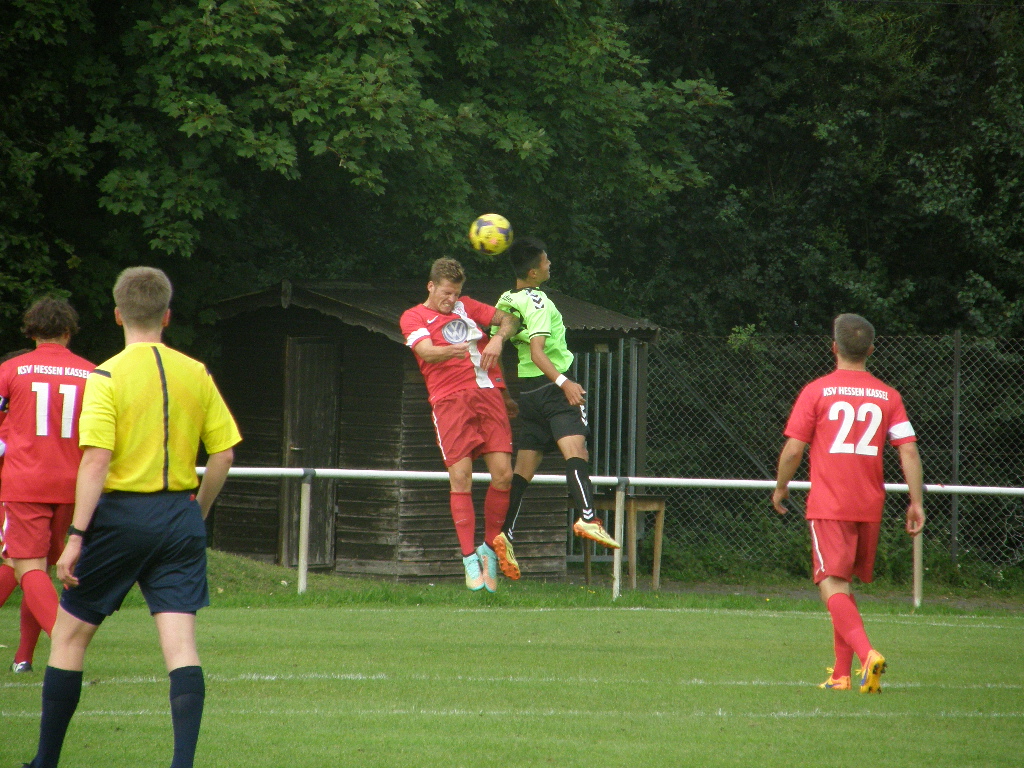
column 240, row 143
column 871, row 162
column 765, row 164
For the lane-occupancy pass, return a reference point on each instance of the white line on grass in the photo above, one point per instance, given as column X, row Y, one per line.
column 258, row 677
column 965, row 621
column 957, row 622
column 538, row 713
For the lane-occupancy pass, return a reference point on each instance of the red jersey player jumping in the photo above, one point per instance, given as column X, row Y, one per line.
column 40, row 401
column 846, row 417
column 470, row 405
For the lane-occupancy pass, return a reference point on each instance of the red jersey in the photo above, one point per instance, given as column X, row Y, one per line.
column 846, row 418
column 40, row 401
column 465, row 323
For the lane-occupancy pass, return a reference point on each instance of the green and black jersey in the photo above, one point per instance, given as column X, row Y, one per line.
column 540, row 317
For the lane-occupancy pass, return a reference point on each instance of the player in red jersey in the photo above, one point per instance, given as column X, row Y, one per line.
column 846, row 417
column 40, row 401
column 470, row 404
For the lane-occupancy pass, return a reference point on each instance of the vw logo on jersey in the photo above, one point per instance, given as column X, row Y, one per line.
column 455, row 331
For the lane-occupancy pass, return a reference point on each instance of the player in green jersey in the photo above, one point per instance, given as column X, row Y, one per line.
column 552, row 407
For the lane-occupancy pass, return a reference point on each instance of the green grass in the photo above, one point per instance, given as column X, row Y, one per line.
column 371, row 674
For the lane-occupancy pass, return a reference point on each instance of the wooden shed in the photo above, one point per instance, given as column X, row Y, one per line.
column 318, row 376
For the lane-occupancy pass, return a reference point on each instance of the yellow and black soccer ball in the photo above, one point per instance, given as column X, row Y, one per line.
column 490, row 234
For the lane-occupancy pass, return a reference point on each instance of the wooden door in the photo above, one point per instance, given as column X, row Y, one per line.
column 312, row 383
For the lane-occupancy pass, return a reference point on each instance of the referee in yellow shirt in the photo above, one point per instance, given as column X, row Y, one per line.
column 139, row 510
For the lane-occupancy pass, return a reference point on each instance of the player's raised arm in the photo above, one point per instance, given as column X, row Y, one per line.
column 574, row 392
column 508, row 326
column 431, row 353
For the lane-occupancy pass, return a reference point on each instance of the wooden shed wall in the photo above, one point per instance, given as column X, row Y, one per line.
column 394, row 529
column 428, row 545
column 370, row 434
column 250, row 375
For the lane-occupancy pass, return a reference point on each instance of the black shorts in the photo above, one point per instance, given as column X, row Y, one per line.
column 545, row 416
column 155, row 539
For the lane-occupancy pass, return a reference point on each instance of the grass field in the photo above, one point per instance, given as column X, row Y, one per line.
column 538, row 675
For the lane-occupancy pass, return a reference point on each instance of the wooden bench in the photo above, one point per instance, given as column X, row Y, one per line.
column 633, row 505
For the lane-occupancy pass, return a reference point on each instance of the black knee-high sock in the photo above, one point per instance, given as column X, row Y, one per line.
column 62, row 689
column 577, row 476
column 188, row 693
column 515, row 500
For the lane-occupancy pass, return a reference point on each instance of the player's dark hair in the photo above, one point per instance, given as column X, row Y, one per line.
column 524, row 254
column 854, row 336
column 142, row 295
column 50, row 318
column 447, row 269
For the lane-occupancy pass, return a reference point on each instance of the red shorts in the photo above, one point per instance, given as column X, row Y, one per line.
column 472, row 422
column 34, row 530
column 844, row 549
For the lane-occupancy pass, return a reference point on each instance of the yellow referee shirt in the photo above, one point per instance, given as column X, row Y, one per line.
column 151, row 405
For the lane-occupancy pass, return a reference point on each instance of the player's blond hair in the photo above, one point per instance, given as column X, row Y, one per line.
column 447, row 269
column 853, row 336
column 142, row 296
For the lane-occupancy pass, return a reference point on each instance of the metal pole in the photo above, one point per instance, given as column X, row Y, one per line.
column 608, row 413
column 954, row 502
column 618, row 413
column 633, row 385
column 918, row 570
column 304, row 499
column 620, row 507
column 594, row 413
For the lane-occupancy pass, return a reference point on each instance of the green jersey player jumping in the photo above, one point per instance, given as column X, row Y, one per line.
column 552, row 407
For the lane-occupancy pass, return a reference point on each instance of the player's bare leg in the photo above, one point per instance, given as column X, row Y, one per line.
column 188, row 688
column 499, row 465
column 526, row 466
column 62, row 684
column 38, row 590
column 837, row 595
column 460, row 478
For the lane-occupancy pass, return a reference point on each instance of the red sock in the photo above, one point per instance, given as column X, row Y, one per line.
column 465, row 521
column 30, row 630
column 41, row 598
column 8, row 581
column 848, row 624
column 844, row 656
column 495, row 510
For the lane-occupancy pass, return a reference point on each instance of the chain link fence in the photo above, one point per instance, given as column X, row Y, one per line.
column 717, row 408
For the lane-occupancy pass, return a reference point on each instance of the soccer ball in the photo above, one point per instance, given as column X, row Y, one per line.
column 490, row 234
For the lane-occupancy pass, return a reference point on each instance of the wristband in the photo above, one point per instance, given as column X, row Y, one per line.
column 562, row 378
column 72, row 531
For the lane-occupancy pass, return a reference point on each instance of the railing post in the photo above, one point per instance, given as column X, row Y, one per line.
column 620, row 507
column 304, row 501
column 954, row 502
column 918, row 570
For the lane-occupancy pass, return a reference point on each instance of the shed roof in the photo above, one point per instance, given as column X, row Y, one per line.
column 379, row 307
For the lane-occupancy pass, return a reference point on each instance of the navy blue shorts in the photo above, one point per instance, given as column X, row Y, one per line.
column 545, row 416
column 155, row 539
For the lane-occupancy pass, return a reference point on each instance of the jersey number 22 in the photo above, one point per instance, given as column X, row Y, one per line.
column 844, row 412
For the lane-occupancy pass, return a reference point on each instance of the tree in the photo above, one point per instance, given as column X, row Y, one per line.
column 870, row 163
column 236, row 143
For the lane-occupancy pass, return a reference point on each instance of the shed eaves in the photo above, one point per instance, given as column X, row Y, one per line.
column 379, row 307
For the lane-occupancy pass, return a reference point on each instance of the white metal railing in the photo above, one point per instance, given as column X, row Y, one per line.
column 621, row 484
